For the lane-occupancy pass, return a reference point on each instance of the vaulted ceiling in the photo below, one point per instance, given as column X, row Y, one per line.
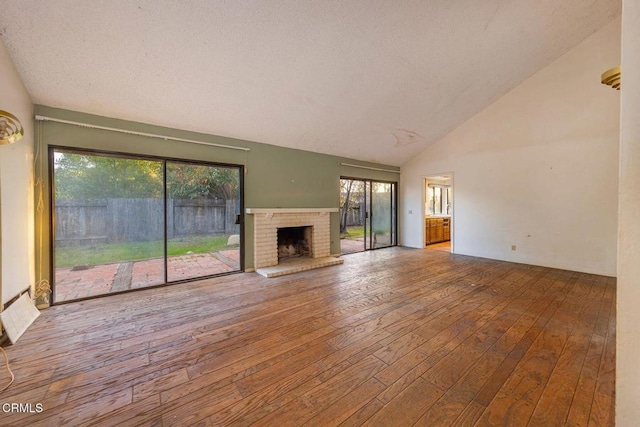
column 366, row 79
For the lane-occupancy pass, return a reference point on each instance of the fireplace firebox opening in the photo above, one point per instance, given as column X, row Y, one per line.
column 294, row 242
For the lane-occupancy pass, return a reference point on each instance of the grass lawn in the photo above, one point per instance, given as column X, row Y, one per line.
column 122, row 252
column 354, row 232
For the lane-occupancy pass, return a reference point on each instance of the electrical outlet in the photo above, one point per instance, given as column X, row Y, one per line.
column 513, row 247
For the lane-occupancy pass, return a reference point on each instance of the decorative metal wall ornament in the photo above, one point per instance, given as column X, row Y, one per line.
column 612, row 77
column 10, row 128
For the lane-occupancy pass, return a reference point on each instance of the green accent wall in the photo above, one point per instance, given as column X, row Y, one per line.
column 275, row 177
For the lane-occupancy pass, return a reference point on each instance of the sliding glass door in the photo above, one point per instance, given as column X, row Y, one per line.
column 203, row 227
column 123, row 222
column 367, row 215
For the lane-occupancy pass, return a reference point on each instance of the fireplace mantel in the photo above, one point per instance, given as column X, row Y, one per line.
column 289, row 210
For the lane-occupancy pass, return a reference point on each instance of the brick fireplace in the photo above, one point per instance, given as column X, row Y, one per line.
column 265, row 229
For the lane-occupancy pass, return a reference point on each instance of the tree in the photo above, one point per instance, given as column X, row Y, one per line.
column 85, row 176
column 193, row 181
column 345, row 195
column 90, row 176
column 351, row 193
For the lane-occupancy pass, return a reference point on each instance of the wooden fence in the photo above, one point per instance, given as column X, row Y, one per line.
column 138, row 220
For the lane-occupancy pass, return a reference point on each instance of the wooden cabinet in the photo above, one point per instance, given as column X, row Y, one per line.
column 427, row 231
column 437, row 230
column 446, row 229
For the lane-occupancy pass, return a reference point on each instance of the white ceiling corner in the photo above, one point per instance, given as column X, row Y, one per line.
column 369, row 80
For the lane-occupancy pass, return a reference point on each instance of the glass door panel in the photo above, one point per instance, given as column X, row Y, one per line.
column 367, row 215
column 203, row 227
column 108, row 224
column 352, row 215
column 382, row 215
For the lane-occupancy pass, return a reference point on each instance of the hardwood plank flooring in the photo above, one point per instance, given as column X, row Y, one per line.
column 394, row 337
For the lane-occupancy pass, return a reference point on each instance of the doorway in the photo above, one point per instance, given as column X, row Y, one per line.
column 368, row 217
column 438, row 212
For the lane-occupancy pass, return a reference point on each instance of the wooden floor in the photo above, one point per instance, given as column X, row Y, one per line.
column 394, row 337
column 442, row 246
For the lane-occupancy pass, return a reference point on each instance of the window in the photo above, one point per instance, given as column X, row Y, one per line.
column 438, row 199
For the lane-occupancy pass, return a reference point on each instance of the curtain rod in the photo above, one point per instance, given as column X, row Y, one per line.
column 130, row 132
column 370, row 168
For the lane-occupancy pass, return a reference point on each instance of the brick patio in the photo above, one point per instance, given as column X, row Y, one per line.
column 349, row 246
column 102, row 279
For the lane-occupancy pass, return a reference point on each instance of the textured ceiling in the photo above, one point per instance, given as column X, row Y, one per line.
column 371, row 80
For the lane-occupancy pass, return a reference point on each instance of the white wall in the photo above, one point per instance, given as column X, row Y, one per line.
column 628, row 296
column 17, row 258
column 537, row 169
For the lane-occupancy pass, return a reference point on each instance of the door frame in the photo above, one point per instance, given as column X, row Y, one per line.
column 425, row 181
